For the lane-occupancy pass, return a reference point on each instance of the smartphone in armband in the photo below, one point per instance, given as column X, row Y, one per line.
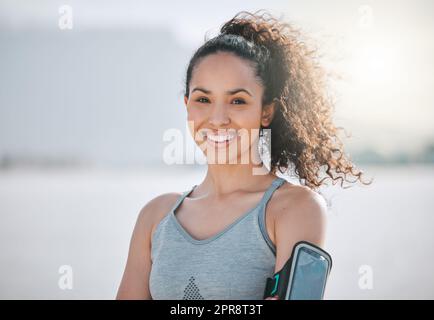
column 304, row 275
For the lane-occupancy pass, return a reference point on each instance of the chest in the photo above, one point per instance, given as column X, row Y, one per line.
column 234, row 266
column 205, row 219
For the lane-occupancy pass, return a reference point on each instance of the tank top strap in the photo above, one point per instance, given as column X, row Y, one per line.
column 265, row 198
column 261, row 212
column 278, row 181
column 182, row 197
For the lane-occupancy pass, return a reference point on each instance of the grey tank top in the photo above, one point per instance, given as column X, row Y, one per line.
column 231, row 265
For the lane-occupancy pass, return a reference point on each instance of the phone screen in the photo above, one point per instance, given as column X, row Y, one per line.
column 310, row 276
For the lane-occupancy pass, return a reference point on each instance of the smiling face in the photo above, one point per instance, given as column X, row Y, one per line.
column 225, row 107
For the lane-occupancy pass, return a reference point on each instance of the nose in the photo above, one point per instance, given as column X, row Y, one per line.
column 219, row 116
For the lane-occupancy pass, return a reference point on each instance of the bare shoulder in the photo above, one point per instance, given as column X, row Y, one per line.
column 156, row 209
column 159, row 205
column 135, row 280
column 299, row 214
column 299, row 202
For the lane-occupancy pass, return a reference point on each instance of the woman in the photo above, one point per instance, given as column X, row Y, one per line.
column 222, row 238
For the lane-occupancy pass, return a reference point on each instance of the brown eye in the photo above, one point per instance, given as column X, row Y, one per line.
column 201, row 100
column 241, row 101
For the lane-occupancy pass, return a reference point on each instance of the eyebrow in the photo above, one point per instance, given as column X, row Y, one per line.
column 229, row 92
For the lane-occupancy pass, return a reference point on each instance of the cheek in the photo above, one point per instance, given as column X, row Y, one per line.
column 196, row 119
column 249, row 119
column 196, row 113
column 251, row 122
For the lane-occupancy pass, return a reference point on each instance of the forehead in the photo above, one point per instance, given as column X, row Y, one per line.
column 226, row 71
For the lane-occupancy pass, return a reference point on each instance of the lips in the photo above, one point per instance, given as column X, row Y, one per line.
column 222, row 138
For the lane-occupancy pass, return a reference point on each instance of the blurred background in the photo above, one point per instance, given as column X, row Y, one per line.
column 88, row 90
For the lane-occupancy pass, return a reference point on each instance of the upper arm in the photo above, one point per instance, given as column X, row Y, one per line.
column 135, row 279
column 302, row 217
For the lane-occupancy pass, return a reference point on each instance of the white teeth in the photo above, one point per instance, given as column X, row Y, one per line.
column 220, row 138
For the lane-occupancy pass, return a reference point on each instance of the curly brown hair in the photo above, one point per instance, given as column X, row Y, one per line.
column 302, row 130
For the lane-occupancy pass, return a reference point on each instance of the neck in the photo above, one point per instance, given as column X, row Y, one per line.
column 222, row 179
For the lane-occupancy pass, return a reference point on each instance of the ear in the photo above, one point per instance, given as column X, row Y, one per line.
column 185, row 100
column 268, row 114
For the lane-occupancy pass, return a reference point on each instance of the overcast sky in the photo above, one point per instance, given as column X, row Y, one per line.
column 383, row 49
